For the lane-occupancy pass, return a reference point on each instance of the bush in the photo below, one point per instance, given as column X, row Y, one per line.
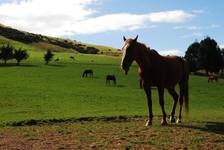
column 48, row 56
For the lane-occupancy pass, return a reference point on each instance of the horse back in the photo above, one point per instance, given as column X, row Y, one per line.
column 174, row 69
column 167, row 71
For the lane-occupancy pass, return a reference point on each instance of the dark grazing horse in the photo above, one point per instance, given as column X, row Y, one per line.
column 72, row 57
column 164, row 72
column 87, row 72
column 110, row 78
column 57, row 59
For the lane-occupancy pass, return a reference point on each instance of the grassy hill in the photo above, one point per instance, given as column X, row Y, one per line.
column 40, row 42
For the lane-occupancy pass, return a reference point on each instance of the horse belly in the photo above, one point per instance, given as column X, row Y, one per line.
column 173, row 76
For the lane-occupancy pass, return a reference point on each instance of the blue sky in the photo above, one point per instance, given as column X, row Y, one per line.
column 168, row 26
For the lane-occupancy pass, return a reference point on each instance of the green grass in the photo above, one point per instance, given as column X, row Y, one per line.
column 37, row 91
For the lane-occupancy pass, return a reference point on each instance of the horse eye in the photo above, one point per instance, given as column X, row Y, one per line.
column 129, row 49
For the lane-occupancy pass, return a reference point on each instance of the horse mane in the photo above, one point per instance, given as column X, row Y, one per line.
column 152, row 52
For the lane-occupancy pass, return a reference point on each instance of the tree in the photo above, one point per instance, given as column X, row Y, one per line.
column 48, row 56
column 6, row 52
column 20, row 55
column 222, row 55
column 204, row 55
column 192, row 56
column 210, row 55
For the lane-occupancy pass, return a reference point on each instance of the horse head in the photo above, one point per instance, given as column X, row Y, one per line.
column 128, row 53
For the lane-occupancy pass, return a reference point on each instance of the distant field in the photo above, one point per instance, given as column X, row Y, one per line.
column 57, row 91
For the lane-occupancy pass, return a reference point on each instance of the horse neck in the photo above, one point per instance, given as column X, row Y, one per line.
column 142, row 57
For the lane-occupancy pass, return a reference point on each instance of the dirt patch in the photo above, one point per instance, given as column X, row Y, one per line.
column 72, row 120
column 110, row 134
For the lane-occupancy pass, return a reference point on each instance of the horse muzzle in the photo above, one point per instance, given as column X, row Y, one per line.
column 126, row 69
column 126, row 72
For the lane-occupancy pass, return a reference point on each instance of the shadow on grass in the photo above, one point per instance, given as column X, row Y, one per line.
column 93, row 77
column 32, row 122
column 213, row 127
column 120, row 85
column 56, row 65
column 15, row 65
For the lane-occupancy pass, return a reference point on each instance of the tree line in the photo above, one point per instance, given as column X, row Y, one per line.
column 9, row 52
column 205, row 55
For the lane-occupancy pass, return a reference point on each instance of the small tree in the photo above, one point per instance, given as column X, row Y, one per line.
column 20, row 55
column 48, row 56
column 192, row 56
column 6, row 52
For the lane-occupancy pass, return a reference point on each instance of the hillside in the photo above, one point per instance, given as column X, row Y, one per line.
column 40, row 42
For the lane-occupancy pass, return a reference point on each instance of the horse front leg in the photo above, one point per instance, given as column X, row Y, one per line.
column 147, row 89
column 161, row 102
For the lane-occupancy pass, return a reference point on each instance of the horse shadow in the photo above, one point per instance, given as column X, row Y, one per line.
column 210, row 126
column 120, row 85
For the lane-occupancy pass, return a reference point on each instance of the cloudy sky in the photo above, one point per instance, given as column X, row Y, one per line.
column 166, row 25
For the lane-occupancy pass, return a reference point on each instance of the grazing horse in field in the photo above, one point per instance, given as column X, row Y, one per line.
column 87, row 72
column 164, row 72
column 212, row 77
column 57, row 59
column 72, row 57
column 109, row 78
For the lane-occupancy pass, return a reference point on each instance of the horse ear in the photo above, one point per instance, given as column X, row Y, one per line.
column 124, row 38
column 136, row 38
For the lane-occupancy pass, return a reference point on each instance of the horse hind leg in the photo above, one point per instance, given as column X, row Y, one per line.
column 173, row 93
column 181, row 103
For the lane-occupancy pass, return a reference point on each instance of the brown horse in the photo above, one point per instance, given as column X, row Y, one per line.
column 212, row 77
column 160, row 71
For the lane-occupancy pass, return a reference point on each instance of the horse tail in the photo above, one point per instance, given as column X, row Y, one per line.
column 186, row 97
column 185, row 86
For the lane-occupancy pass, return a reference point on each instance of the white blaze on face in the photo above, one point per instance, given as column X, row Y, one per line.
column 124, row 49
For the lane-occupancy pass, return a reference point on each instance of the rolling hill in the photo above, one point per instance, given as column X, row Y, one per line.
column 40, row 42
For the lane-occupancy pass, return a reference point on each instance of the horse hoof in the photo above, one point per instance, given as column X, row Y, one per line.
column 148, row 123
column 178, row 121
column 172, row 120
column 164, row 123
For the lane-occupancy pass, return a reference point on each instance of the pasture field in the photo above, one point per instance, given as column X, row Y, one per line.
column 55, row 93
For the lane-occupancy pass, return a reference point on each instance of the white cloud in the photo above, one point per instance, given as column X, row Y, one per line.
column 221, row 45
column 194, row 34
column 194, row 27
column 44, row 16
column 171, row 52
column 58, row 18
column 198, row 11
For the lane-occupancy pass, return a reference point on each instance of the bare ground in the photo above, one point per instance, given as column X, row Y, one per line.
column 114, row 134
